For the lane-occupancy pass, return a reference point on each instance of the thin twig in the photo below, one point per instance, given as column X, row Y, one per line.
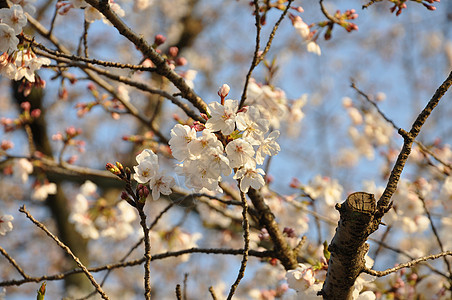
column 67, row 250
column 406, row 265
column 147, row 254
column 327, row 14
column 406, row 254
column 380, row 112
column 14, row 263
column 212, row 293
column 60, row 276
column 246, row 237
column 162, row 67
column 184, row 290
column 257, row 58
column 435, row 232
column 409, row 137
column 178, row 292
column 370, row 3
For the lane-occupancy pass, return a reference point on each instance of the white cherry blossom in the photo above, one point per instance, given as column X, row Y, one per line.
column 181, row 136
column 250, row 177
column 5, row 223
column 161, row 184
column 8, row 39
column 43, row 191
column 223, row 116
column 239, row 152
column 207, row 141
column 147, row 166
column 22, row 168
column 252, row 125
column 301, row 278
column 268, row 146
column 14, row 17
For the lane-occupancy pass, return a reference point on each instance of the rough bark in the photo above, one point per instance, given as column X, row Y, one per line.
column 267, row 219
column 358, row 219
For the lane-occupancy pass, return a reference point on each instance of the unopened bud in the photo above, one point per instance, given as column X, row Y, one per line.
column 173, row 51
column 159, row 39
column 224, row 91
column 124, row 196
column 119, row 165
column 35, row 113
column 143, row 192
column 25, row 106
column 290, row 232
column 112, row 169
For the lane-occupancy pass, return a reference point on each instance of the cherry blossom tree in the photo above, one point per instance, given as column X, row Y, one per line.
column 182, row 149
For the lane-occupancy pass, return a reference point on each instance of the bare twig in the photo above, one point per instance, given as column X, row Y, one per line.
column 327, row 14
column 435, row 232
column 162, row 67
column 254, row 253
column 409, row 137
column 14, row 263
column 178, row 292
column 212, row 293
column 370, row 3
column 258, row 57
column 147, row 253
column 406, row 265
column 67, row 250
column 246, row 238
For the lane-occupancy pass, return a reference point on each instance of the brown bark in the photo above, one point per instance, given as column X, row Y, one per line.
column 358, row 219
column 267, row 219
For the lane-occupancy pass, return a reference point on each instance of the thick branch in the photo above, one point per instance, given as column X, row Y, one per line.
column 267, row 220
column 162, row 67
column 348, row 246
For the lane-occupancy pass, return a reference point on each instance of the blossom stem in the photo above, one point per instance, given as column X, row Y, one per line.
column 147, row 253
column 246, row 237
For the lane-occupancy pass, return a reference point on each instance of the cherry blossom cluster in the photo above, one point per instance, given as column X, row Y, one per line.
column 93, row 217
column 368, row 130
column 17, row 61
column 147, row 171
column 274, row 105
column 27, row 116
column 68, row 139
column 308, row 36
column 231, row 139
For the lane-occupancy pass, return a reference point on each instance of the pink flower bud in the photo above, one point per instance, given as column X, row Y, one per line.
column 224, row 91
column 173, row 51
column 181, row 61
column 35, row 113
column 6, row 145
column 159, row 39
column 57, row 137
column 71, row 131
column 124, row 196
column 25, row 106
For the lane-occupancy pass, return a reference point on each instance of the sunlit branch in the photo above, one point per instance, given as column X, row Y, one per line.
column 254, row 253
column 14, row 263
column 409, row 137
column 162, row 67
column 406, row 265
